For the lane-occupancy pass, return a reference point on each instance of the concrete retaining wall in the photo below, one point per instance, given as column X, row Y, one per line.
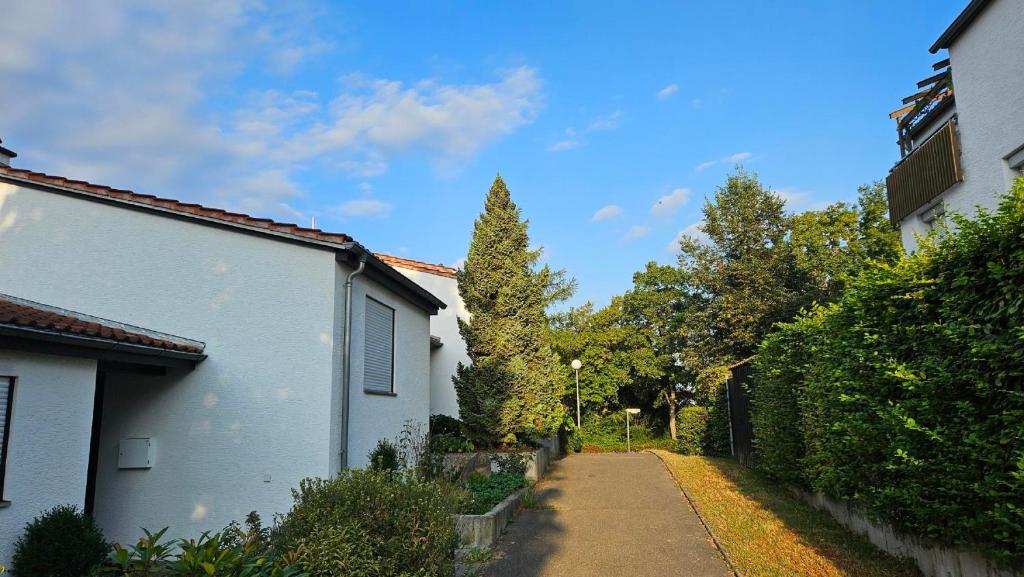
column 483, row 530
column 933, row 560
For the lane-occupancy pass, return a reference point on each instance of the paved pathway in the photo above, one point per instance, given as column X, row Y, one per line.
column 608, row 515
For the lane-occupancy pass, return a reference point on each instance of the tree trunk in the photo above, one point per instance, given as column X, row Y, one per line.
column 672, row 413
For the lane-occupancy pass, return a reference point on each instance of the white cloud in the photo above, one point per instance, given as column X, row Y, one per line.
column 637, row 232
column 668, row 91
column 731, row 159
column 563, row 145
column 668, row 205
column 607, row 212
column 364, row 207
column 606, row 122
column 573, row 138
column 150, row 99
column 694, row 231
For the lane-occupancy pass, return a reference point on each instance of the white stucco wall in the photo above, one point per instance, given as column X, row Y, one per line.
column 444, row 360
column 264, row 405
column 373, row 417
column 51, row 420
column 988, row 76
column 987, row 64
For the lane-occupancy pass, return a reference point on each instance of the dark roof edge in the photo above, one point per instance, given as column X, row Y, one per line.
column 962, row 22
column 8, row 152
column 85, row 341
column 381, row 272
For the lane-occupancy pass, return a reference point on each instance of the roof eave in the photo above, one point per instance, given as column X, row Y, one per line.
column 51, row 342
column 959, row 25
column 390, row 278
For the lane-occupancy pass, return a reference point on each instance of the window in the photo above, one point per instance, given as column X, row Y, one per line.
column 379, row 358
column 6, row 400
column 1016, row 160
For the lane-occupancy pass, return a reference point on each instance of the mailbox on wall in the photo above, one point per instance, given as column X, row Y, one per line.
column 135, row 453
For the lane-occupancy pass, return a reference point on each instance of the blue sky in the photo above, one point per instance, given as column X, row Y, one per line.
column 610, row 121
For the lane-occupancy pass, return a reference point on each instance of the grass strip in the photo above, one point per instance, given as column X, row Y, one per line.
column 769, row 532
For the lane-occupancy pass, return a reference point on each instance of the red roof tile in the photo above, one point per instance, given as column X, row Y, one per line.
column 176, row 206
column 21, row 313
column 438, row 269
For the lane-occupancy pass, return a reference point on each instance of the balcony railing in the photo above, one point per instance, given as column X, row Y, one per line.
column 925, row 173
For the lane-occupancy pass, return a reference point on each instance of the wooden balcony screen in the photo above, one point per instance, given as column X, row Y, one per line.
column 925, row 174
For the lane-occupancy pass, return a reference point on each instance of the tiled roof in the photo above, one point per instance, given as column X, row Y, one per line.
column 438, row 269
column 16, row 312
column 175, row 206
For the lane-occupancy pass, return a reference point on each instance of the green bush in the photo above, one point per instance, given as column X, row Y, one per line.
column 909, row 392
column 232, row 552
column 373, row 523
column 608, row 433
column 488, row 491
column 691, row 426
column 716, row 441
column 62, row 542
column 384, row 457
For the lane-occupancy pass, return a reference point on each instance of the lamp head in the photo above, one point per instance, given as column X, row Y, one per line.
column 576, row 364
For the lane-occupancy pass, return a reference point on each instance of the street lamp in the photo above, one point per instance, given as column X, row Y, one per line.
column 629, row 412
column 576, row 364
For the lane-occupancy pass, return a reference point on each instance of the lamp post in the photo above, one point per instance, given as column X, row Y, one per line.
column 629, row 449
column 576, row 364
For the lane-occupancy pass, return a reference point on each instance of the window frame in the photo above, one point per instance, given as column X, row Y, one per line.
column 5, row 441
column 391, row 385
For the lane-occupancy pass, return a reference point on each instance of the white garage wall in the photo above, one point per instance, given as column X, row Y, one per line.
column 51, row 421
column 259, row 405
column 374, row 417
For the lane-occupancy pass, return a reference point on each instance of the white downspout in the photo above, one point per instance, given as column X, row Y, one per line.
column 346, row 353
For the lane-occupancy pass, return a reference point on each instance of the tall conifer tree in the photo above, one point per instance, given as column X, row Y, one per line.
column 511, row 389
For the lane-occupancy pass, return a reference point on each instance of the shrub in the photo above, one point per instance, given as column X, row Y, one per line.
column 378, row 523
column 384, row 457
column 910, row 390
column 691, row 426
column 62, row 542
column 232, row 552
column 488, row 491
column 514, row 464
column 716, row 441
column 445, row 425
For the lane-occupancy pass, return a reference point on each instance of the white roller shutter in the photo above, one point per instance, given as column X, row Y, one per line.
column 378, row 364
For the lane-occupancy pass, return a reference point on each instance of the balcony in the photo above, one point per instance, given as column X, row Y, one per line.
column 924, row 174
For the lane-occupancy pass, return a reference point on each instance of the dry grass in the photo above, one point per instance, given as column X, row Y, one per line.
column 770, row 533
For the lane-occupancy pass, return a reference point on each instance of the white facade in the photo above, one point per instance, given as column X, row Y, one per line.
column 445, row 359
column 263, row 411
column 51, row 421
column 987, row 65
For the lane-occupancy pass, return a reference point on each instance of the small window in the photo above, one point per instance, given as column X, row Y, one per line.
column 6, row 401
column 1016, row 160
column 379, row 360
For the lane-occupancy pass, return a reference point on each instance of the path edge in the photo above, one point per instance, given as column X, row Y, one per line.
column 700, row 515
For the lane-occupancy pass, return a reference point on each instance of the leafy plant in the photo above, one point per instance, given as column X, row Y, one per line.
column 384, row 457
column 691, row 427
column 488, row 491
column 62, row 542
column 373, row 523
column 907, row 396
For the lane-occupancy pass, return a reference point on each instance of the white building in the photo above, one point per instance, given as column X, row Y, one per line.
column 962, row 135
column 448, row 348
column 146, row 429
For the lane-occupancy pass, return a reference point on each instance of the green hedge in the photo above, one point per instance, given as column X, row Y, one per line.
column 907, row 396
column 691, row 426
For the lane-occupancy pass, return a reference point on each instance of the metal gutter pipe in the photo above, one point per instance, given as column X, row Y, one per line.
column 346, row 353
